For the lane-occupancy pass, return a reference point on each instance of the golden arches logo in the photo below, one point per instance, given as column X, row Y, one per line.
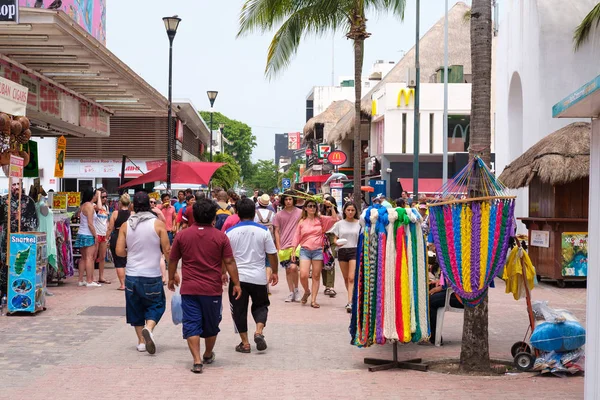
column 406, row 94
column 374, row 107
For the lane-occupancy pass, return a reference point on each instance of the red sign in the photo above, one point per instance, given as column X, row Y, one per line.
column 337, row 157
column 294, row 141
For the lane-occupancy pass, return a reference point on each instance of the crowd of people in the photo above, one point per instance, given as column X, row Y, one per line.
column 223, row 240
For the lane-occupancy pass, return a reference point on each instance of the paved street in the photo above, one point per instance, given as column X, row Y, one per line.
column 65, row 355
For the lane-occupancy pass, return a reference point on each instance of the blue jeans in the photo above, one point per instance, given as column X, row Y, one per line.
column 144, row 299
column 306, row 254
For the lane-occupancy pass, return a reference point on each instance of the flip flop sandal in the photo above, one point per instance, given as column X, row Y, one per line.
column 241, row 349
column 315, row 305
column 332, row 293
column 305, row 297
column 104, row 281
column 121, row 289
column 210, row 359
column 197, row 368
column 261, row 344
column 327, row 292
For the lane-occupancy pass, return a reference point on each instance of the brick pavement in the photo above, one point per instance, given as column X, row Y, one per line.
column 61, row 354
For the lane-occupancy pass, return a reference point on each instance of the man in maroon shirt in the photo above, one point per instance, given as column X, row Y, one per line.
column 204, row 251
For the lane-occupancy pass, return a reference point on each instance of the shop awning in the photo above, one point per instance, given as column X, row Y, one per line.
column 315, row 178
column 426, row 185
column 52, row 47
column 181, row 172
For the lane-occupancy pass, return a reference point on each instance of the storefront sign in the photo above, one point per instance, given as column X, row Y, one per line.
column 540, row 239
column 405, row 94
column 107, row 168
column 337, row 157
column 61, row 154
column 574, row 253
column 374, row 107
column 9, row 12
column 73, row 198
column 59, row 202
column 294, row 141
column 179, row 131
column 16, row 167
column 13, row 97
column 324, row 150
column 49, row 101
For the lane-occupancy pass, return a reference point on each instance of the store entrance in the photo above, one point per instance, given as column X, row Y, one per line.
column 83, row 184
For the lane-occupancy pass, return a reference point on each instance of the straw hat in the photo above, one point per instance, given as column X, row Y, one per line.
column 264, row 200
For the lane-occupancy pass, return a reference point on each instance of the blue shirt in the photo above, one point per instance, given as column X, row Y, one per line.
column 178, row 206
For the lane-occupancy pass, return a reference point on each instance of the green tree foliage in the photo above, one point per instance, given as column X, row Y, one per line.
column 586, row 28
column 239, row 135
column 264, row 178
column 228, row 175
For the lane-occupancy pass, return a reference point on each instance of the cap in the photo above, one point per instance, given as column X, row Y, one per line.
column 422, row 205
column 264, row 200
column 141, row 199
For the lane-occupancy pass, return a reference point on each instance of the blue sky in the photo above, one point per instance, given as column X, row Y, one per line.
column 207, row 56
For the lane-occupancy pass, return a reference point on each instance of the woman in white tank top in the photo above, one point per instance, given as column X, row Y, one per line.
column 86, row 237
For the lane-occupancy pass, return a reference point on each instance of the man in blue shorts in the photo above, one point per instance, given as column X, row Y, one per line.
column 204, row 251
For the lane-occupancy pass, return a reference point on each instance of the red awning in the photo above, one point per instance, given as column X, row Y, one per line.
column 181, row 172
column 315, row 178
column 426, row 185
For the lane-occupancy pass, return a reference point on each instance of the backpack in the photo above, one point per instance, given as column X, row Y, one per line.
column 222, row 215
column 268, row 222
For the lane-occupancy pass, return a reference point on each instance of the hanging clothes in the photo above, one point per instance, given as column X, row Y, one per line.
column 46, row 225
column 513, row 273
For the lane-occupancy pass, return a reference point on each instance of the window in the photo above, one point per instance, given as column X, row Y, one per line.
column 309, row 109
column 458, row 133
column 69, row 185
column 404, row 132
column 379, row 133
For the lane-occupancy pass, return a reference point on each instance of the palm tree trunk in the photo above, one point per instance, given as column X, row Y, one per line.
column 475, row 354
column 359, row 45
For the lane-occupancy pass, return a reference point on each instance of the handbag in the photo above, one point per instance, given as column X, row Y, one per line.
column 328, row 259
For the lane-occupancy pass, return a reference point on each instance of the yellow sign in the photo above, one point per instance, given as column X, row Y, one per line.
column 59, row 201
column 73, row 198
column 405, row 93
column 61, row 150
column 374, row 107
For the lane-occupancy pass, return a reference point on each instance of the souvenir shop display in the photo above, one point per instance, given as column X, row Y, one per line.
column 471, row 220
column 64, row 248
column 391, row 296
column 27, row 273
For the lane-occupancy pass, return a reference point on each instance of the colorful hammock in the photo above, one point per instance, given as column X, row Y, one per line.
column 471, row 235
column 391, row 292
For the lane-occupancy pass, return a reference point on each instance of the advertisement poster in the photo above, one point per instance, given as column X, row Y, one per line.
column 574, row 253
column 294, row 141
column 89, row 14
column 26, row 278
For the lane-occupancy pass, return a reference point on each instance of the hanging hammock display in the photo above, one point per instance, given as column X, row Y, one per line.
column 471, row 220
column 391, row 291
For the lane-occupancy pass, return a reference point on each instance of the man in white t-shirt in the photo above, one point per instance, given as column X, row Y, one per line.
column 251, row 243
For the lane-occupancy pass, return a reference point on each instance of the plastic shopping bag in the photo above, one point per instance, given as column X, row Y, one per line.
column 176, row 311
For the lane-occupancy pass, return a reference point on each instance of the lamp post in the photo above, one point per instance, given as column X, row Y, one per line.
column 171, row 24
column 417, row 111
column 212, row 96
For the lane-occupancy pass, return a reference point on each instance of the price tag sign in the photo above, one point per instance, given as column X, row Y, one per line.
column 16, row 167
column 59, row 202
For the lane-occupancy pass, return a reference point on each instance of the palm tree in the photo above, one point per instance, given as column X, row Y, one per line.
column 474, row 354
column 298, row 18
column 583, row 31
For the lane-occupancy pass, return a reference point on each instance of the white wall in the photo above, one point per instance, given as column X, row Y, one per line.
column 431, row 102
column 323, row 96
column 535, row 48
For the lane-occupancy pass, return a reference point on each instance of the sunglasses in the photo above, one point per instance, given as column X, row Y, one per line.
column 152, row 202
column 104, row 197
column 311, row 206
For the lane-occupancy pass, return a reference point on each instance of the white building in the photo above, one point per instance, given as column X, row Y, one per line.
column 536, row 65
column 392, row 132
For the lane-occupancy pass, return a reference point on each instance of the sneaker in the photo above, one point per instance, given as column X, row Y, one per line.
column 93, row 284
column 141, row 347
column 297, row 296
column 84, row 283
column 290, row 297
column 349, row 308
column 149, row 339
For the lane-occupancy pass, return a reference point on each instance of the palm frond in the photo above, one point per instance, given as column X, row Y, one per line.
column 584, row 30
column 317, row 18
column 263, row 15
column 396, row 7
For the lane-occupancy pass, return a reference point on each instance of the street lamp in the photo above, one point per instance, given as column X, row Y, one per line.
column 171, row 24
column 212, row 96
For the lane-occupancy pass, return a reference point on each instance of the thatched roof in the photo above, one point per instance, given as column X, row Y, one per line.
column 431, row 57
column 331, row 115
column 559, row 158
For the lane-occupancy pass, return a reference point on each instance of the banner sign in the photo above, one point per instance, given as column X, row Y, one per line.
column 32, row 169
column 9, row 12
column 16, row 167
column 13, row 97
column 294, row 141
column 73, row 198
column 574, row 248
column 61, row 154
column 59, row 202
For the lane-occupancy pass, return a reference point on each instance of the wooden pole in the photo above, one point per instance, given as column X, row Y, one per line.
column 19, row 205
column 8, row 218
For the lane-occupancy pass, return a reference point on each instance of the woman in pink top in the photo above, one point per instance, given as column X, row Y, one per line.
column 309, row 235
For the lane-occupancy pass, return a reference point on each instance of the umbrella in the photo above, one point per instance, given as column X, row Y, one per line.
column 181, row 172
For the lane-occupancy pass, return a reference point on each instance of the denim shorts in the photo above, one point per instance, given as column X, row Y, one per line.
column 84, row 241
column 201, row 315
column 144, row 299
column 306, row 254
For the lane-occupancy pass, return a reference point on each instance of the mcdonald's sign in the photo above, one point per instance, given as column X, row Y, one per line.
column 337, row 157
column 405, row 93
column 374, row 107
